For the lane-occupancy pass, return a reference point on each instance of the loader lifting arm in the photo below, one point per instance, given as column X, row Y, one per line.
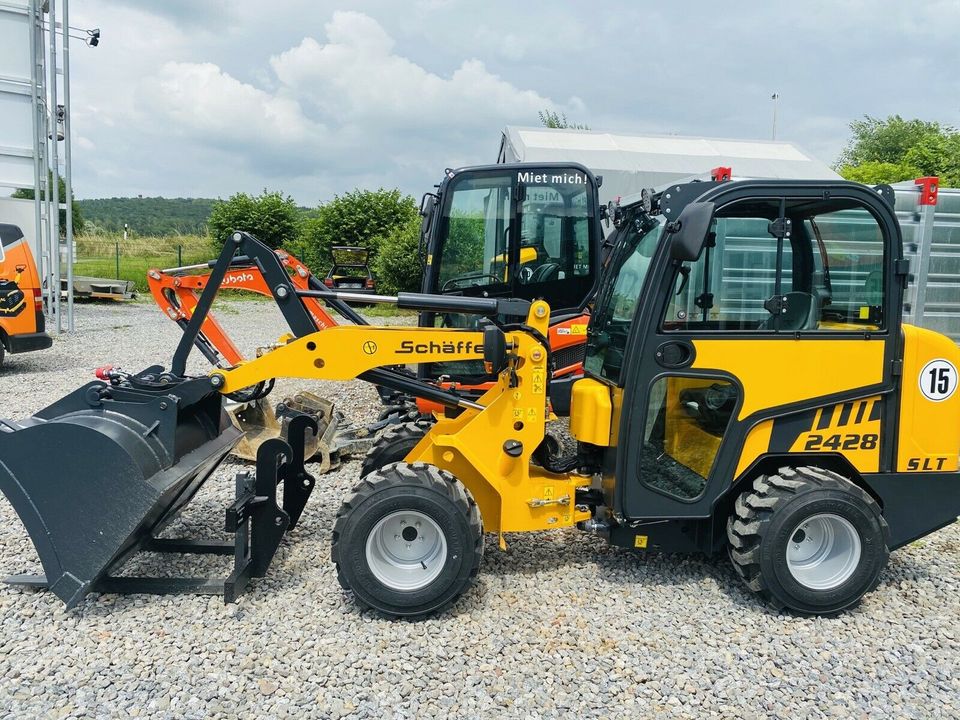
column 96, row 476
column 488, row 445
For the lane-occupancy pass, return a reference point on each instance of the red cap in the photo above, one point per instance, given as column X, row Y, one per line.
column 721, row 174
column 103, row 373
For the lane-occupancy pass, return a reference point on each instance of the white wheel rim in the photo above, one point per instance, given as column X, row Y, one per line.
column 823, row 551
column 406, row 550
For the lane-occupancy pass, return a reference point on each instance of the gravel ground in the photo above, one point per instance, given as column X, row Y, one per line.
column 558, row 625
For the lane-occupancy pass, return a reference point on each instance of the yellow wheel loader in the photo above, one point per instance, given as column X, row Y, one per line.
column 749, row 388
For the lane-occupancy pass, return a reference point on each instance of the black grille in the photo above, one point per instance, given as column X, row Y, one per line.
column 569, row 356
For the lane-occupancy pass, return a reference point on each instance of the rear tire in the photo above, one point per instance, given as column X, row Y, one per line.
column 3, row 351
column 409, row 541
column 808, row 539
column 394, row 444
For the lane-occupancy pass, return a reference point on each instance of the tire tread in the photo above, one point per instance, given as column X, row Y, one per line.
column 422, row 475
column 754, row 508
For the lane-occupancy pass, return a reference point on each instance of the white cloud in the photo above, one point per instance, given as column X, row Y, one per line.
column 350, row 103
column 206, row 98
column 202, row 99
column 355, row 76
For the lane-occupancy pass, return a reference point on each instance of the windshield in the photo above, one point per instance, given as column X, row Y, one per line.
column 527, row 232
column 477, row 222
column 617, row 302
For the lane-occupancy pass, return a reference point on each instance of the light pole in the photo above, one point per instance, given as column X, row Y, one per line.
column 67, row 161
column 775, row 97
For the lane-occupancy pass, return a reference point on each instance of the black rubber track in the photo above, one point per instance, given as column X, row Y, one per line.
column 393, row 444
column 408, row 481
column 750, row 523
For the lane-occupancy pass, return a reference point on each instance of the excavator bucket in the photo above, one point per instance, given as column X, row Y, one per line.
column 333, row 440
column 259, row 423
column 97, row 475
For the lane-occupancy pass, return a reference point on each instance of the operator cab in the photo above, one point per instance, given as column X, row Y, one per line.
column 513, row 230
column 751, row 308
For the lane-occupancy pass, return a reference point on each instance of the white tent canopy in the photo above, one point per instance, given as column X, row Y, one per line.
column 630, row 163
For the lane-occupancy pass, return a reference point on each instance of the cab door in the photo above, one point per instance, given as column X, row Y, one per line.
column 782, row 329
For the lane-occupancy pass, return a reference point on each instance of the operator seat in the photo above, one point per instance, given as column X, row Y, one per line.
column 545, row 273
column 803, row 313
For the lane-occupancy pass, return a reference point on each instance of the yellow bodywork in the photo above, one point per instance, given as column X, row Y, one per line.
column 516, row 496
column 929, row 430
column 513, row 495
column 591, row 412
column 779, row 372
column 774, row 373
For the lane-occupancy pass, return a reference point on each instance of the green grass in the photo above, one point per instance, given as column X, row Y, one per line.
column 386, row 311
column 97, row 255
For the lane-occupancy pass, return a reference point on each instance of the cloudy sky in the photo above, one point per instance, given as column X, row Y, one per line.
column 208, row 97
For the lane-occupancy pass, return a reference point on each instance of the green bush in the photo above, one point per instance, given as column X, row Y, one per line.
column 361, row 217
column 397, row 265
column 270, row 217
column 894, row 149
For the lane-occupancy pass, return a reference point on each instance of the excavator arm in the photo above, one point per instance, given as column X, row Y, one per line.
column 176, row 291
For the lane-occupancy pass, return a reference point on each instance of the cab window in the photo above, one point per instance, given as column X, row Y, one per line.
column 554, row 229
column 619, row 296
column 477, row 219
column 812, row 266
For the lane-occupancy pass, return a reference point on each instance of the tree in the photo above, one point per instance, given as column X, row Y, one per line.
column 398, row 265
column 78, row 222
column 270, row 217
column 147, row 215
column 877, row 173
column 894, row 149
column 553, row 119
column 360, row 217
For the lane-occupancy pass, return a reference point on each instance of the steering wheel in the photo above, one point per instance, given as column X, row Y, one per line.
column 449, row 284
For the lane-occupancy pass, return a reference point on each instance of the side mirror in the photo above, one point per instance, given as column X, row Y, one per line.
column 494, row 349
column 688, row 232
column 428, row 204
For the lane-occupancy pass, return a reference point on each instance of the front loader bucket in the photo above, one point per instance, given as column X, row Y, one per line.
column 97, row 474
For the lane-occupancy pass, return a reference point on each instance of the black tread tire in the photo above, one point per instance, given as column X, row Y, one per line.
column 3, row 351
column 393, row 444
column 425, row 488
column 759, row 528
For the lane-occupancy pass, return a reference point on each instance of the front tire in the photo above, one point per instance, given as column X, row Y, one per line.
column 409, row 541
column 808, row 539
column 394, row 444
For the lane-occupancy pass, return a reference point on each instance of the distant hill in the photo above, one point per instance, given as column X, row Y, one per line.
column 149, row 215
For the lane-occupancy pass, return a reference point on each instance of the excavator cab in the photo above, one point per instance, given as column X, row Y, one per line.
column 21, row 304
column 514, row 230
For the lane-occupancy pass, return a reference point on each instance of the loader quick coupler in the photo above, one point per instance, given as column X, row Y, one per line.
column 98, row 475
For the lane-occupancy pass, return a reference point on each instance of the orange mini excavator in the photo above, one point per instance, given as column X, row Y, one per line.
column 514, row 230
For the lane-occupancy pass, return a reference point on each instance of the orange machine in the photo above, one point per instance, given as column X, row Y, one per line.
column 21, row 300
column 177, row 293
